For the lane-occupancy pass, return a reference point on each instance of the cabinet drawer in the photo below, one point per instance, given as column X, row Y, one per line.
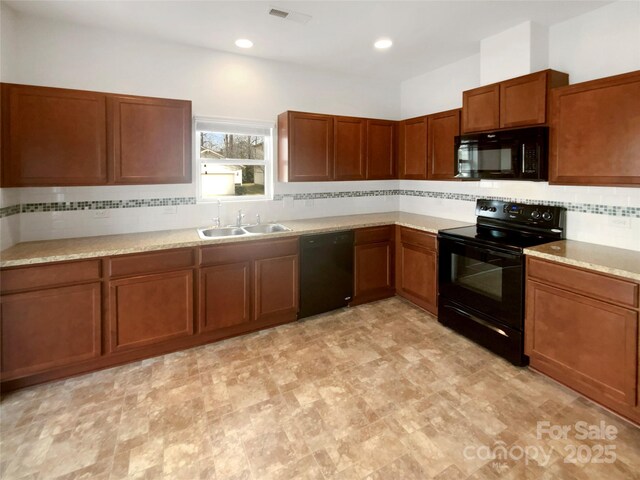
column 128, row 265
column 591, row 284
column 418, row 238
column 53, row 274
column 374, row 234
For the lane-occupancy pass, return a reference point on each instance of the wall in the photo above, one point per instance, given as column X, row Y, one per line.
column 597, row 44
column 219, row 84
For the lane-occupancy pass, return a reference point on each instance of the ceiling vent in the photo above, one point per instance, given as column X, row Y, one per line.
column 289, row 15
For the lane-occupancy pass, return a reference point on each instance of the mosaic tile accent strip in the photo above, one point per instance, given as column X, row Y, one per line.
column 10, row 210
column 593, row 208
column 105, row 204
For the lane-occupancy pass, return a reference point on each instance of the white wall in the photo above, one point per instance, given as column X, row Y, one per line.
column 439, row 89
column 597, row 44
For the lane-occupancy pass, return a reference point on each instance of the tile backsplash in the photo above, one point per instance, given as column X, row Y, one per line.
column 604, row 215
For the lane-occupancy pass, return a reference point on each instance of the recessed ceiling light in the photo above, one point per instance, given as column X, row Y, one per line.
column 244, row 43
column 383, row 43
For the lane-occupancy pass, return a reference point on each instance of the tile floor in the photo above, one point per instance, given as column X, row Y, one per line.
column 381, row 391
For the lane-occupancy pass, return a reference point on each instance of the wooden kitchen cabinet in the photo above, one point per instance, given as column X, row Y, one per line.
column 416, row 267
column 373, row 264
column 381, row 149
column 53, row 136
column 412, row 150
column 518, row 102
column 442, row 129
column 247, row 286
column 350, row 148
column 151, row 140
column 50, row 317
column 305, row 147
column 581, row 328
column 595, row 133
column 63, row 137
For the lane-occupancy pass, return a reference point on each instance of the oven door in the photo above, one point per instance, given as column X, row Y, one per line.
column 483, row 278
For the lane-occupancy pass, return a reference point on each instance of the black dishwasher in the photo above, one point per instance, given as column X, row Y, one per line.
column 326, row 272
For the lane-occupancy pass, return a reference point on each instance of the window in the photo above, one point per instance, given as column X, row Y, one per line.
column 234, row 159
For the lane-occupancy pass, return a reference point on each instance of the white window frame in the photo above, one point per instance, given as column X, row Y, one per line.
column 269, row 150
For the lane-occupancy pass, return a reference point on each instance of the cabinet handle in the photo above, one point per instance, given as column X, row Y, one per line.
column 482, row 322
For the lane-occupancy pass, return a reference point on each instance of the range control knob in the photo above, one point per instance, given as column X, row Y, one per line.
column 546, row 216
column 493, row 209
column 535, row 214
column 484, row 207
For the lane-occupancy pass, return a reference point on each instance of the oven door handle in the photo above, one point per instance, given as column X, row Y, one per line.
column 488, row 250
column 482, row 322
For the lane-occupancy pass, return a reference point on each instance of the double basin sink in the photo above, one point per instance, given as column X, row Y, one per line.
column 259, row 229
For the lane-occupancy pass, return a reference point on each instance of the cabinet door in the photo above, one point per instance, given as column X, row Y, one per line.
column 310, row 147
column 481, row 109
column 53, row 136
column 350, row 148
column 412, row 159
column 373, row 272
column 49, row 328
column 589, row 345
column 523, row 100
column 381, row 145
column 276, row 288
column 416, row 268
column 151, row 140
column 225, row 296
column 595, row 132
column 443, row 128
column 149, row 309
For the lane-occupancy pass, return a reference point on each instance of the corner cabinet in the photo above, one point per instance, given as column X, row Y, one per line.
column 373, row 261
column 63, row 137
column 518, row 102
column 412, row 149
column 416, row 267
column 381, row 149
column 581, row 328
column 595, row 132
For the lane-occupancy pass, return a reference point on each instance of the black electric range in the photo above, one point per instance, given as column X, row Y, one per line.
column 481, row 272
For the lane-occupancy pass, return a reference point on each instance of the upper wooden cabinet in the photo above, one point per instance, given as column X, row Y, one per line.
column 61, row 137
column 381, row 149
column 595, row 132
column 314, row 148
column 53, row 136
column 305, row 147
column 481, row 109
column 151, row 140
column 442, row 129
column 517, row 102
column 412, row 149
column 350, row 137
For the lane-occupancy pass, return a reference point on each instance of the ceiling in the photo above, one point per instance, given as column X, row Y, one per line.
column 339, row 37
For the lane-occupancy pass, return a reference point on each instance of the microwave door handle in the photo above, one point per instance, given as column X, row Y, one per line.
column 523, row 155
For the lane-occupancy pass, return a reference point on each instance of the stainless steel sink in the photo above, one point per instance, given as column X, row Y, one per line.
column 266, row 228
column 259, row 229
column 206, row 233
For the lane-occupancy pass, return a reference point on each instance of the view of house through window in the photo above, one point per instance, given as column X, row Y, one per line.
column 234, row 159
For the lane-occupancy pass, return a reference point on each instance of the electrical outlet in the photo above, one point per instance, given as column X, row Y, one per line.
column 170, row 209
column 620, row 222
column 106, row 213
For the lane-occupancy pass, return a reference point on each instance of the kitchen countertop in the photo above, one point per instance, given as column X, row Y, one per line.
column 29, row 253
column 615, row 261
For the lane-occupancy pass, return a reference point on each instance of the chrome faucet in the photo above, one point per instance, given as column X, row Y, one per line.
column 239, row 218
column 257, row 219
column 216, row 221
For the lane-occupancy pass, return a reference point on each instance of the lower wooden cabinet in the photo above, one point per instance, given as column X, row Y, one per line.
column 225, row 296
column 581, row 328
column 416, row 268
column 373, row 264
column 49, row 328
column 276, row 287
column 150, row 309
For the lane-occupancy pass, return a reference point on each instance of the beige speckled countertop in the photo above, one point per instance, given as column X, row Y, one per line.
column 29, row 253
column 615, row 261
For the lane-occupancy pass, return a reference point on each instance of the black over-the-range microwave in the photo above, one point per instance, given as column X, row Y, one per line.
column 519, row 154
